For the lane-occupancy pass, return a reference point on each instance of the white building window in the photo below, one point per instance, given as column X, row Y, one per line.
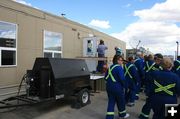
column 8, row 41
column 52, row 44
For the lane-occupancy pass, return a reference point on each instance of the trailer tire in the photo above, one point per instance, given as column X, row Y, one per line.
column 84, row 97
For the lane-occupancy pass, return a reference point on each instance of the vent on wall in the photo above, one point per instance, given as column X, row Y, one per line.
column 73, row 29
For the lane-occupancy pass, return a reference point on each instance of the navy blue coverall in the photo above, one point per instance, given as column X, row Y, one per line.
column 115, row 86
column 149, row 66
column 132, row 77
column 139, row 63
column 176, row 68
column 163, row 88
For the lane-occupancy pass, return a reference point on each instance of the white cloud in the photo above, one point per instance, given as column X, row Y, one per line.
column 156, row 28
column 167, row 11
column 23, row 2
column 100, row 24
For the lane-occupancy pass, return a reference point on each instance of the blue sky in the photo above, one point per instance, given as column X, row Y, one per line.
column 119, row 13
column 154, row 22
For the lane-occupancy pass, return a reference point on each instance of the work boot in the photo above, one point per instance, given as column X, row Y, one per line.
column 137, row 97
column 125, row 117
column 143, row 116
column 130, row 104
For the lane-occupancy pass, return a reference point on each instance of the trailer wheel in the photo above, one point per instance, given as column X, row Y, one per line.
column 84, row 97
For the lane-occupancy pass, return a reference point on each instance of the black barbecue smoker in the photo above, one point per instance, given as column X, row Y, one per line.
column 56, row 78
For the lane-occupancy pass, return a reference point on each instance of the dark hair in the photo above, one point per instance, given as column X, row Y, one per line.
column 130, row 58
column 116, row 58
column 158, row 55
column 145, row 57
column 178, row 57
column 101, row 41
column 150, row 57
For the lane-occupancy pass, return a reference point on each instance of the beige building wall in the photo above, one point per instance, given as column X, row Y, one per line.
column 31, row 23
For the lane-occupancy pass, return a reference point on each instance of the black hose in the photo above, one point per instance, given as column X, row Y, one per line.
column 19, row 88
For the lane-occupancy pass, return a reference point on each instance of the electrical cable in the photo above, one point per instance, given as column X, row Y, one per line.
column 20, row 85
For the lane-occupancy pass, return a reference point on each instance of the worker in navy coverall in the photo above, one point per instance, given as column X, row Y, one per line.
column 163, row 88
column 176, row 68
column 149, row 66
column 139, row 63
column 115, row 86
column 132, row 77
column 158, row 59
column 118, row 51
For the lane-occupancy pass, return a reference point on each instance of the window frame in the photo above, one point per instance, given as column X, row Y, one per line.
column 9, row 48
column 52, row 51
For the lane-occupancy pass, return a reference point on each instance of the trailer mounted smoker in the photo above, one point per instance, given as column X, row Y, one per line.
column 56, row 78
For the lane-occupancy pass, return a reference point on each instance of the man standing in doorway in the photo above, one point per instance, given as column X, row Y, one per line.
column 101, row 53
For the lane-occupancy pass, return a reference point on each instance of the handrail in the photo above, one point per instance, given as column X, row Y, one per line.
column 96, row 58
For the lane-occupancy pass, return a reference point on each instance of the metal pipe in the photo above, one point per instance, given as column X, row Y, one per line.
column 177, row 49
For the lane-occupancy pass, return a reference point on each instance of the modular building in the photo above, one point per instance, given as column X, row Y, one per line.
column 27, row 33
